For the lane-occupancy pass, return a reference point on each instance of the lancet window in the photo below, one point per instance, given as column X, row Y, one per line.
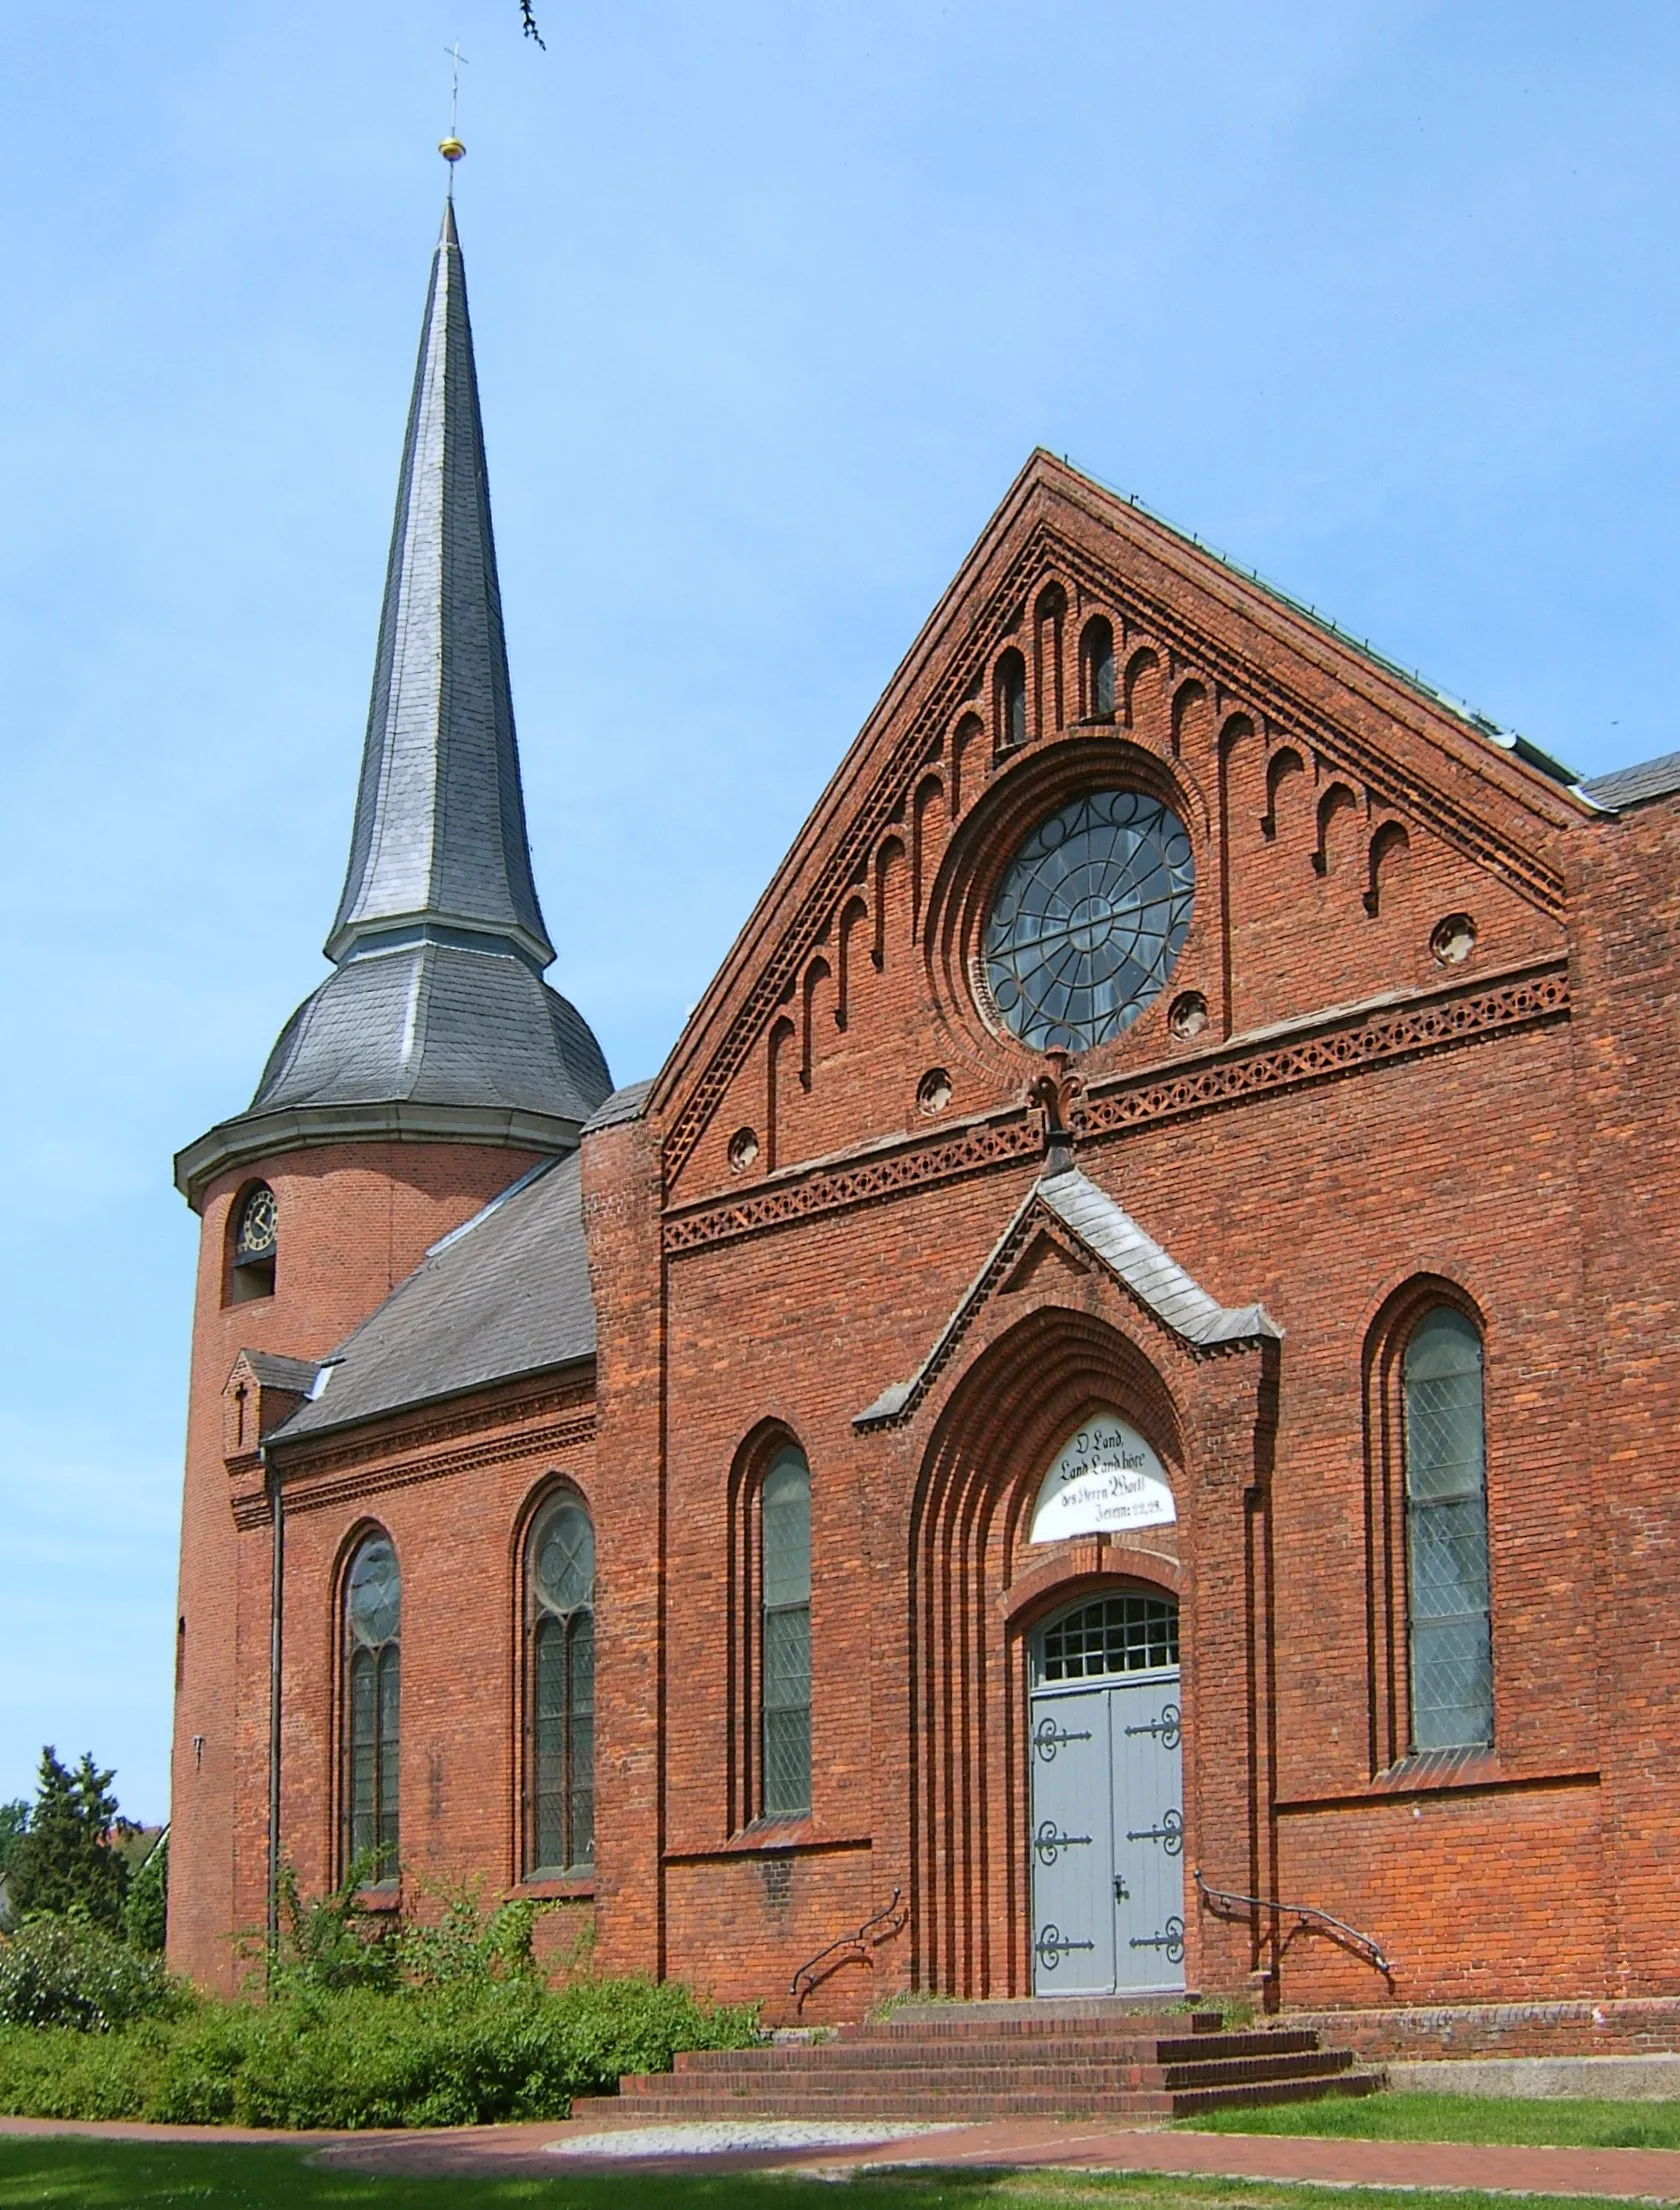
column 560, row 1676
column 1449, row 1620
column 372, row 1710
column 785, row 1677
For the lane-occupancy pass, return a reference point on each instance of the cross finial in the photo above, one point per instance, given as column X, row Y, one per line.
column 451, row 147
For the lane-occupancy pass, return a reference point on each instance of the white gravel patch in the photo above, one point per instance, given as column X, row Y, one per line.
column 732, row 2136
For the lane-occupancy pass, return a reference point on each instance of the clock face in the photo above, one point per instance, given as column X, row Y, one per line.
column 256, row 1226
column 1088, row 920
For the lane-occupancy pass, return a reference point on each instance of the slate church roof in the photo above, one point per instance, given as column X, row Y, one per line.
column 505, row 1294
column 436, row 1021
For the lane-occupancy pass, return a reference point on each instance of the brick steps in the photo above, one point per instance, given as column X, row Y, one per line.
column 839, row 2059
column 1021, row 2064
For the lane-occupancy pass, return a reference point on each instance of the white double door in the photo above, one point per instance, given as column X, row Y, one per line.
column 1107, row 1837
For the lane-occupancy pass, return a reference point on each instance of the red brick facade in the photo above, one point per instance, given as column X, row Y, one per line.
column 833, row 1150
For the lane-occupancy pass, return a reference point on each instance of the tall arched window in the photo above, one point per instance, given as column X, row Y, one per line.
column 1096, row 651
column 372, row 1699
column 1011, row 700
column 560, row 1673
column 785, row 1681
column 1447, row 1534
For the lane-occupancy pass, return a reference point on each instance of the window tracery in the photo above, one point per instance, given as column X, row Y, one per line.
column 560, row 1675
column 372, row 1709
column 1088, row 920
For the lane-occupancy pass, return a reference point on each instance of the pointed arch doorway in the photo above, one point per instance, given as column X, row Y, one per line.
column 1025, row 1530
column 1105, row 1742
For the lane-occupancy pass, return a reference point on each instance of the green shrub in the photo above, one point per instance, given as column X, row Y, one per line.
column 465, row 1946
column 146, row 1908
column 479, row 2051
column 55, row 2072
column 329, row 1943
column 485, row 2054
column 66, row 1972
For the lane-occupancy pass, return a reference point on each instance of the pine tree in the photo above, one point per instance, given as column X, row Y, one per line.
column 14, row 1824
column 64, row 1861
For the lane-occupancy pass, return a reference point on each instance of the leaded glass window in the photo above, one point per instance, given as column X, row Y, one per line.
column 1088, row 920
column 785, row 1558
column 1131, row 1633
column 1447, row 1534
column 560, row 1609
column 372, row 1706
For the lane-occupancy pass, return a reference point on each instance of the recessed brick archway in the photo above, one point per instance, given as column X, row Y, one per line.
column 968, row 1687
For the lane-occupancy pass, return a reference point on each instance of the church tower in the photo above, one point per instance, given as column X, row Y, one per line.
column 430, row 1069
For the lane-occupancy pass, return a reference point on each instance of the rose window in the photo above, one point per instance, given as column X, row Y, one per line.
column 1088, row 920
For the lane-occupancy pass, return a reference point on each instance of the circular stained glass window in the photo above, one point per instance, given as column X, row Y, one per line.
column 1088, row 920
column 566, row 1559
column 375, row 1596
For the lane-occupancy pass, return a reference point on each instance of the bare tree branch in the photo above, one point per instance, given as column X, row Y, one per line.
column 528, row 17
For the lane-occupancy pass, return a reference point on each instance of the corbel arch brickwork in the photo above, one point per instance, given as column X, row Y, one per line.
column 1201, row 655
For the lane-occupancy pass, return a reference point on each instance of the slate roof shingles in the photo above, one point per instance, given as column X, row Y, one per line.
column 1627, row 786
column 507, row 1294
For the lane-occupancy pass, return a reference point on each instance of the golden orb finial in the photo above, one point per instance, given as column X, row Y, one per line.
column 451, row 149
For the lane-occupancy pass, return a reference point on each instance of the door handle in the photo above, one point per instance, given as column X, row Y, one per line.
column 1122, row 1893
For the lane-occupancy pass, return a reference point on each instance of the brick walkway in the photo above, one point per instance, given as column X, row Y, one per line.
column 1628, row 2174
column 1650, row 2175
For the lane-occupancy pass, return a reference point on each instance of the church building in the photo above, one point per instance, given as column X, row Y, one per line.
column 1105, row 1423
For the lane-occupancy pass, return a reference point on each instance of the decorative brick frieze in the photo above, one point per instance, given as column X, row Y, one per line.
column 379, row 1473
column 251, row 1508
column 1375, row 1040
column 1342, row 1046
column 389, row 1438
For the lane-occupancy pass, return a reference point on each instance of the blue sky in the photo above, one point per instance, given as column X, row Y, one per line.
column 772, row 300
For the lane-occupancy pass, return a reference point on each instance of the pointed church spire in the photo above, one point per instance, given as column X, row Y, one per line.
column 435, row 1024
column 439, row 841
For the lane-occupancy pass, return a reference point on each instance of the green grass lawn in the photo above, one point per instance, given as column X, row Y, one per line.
column 1564, row 2123
column 121, row 2175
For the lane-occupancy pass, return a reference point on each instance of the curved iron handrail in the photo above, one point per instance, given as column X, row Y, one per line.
column 1306, row 1915
column 857, row 1943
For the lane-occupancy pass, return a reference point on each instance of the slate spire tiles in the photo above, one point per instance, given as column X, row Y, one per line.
column 436, row 1023
column 439, row 838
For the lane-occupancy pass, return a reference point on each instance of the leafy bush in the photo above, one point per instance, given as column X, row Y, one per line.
column 450, row 2022
column 466, row 1947
column 331, row 1943
column 146, row 1910
column 503, row 2050
column 66, row 1972
column 481, row 2055
column 58, row 2073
